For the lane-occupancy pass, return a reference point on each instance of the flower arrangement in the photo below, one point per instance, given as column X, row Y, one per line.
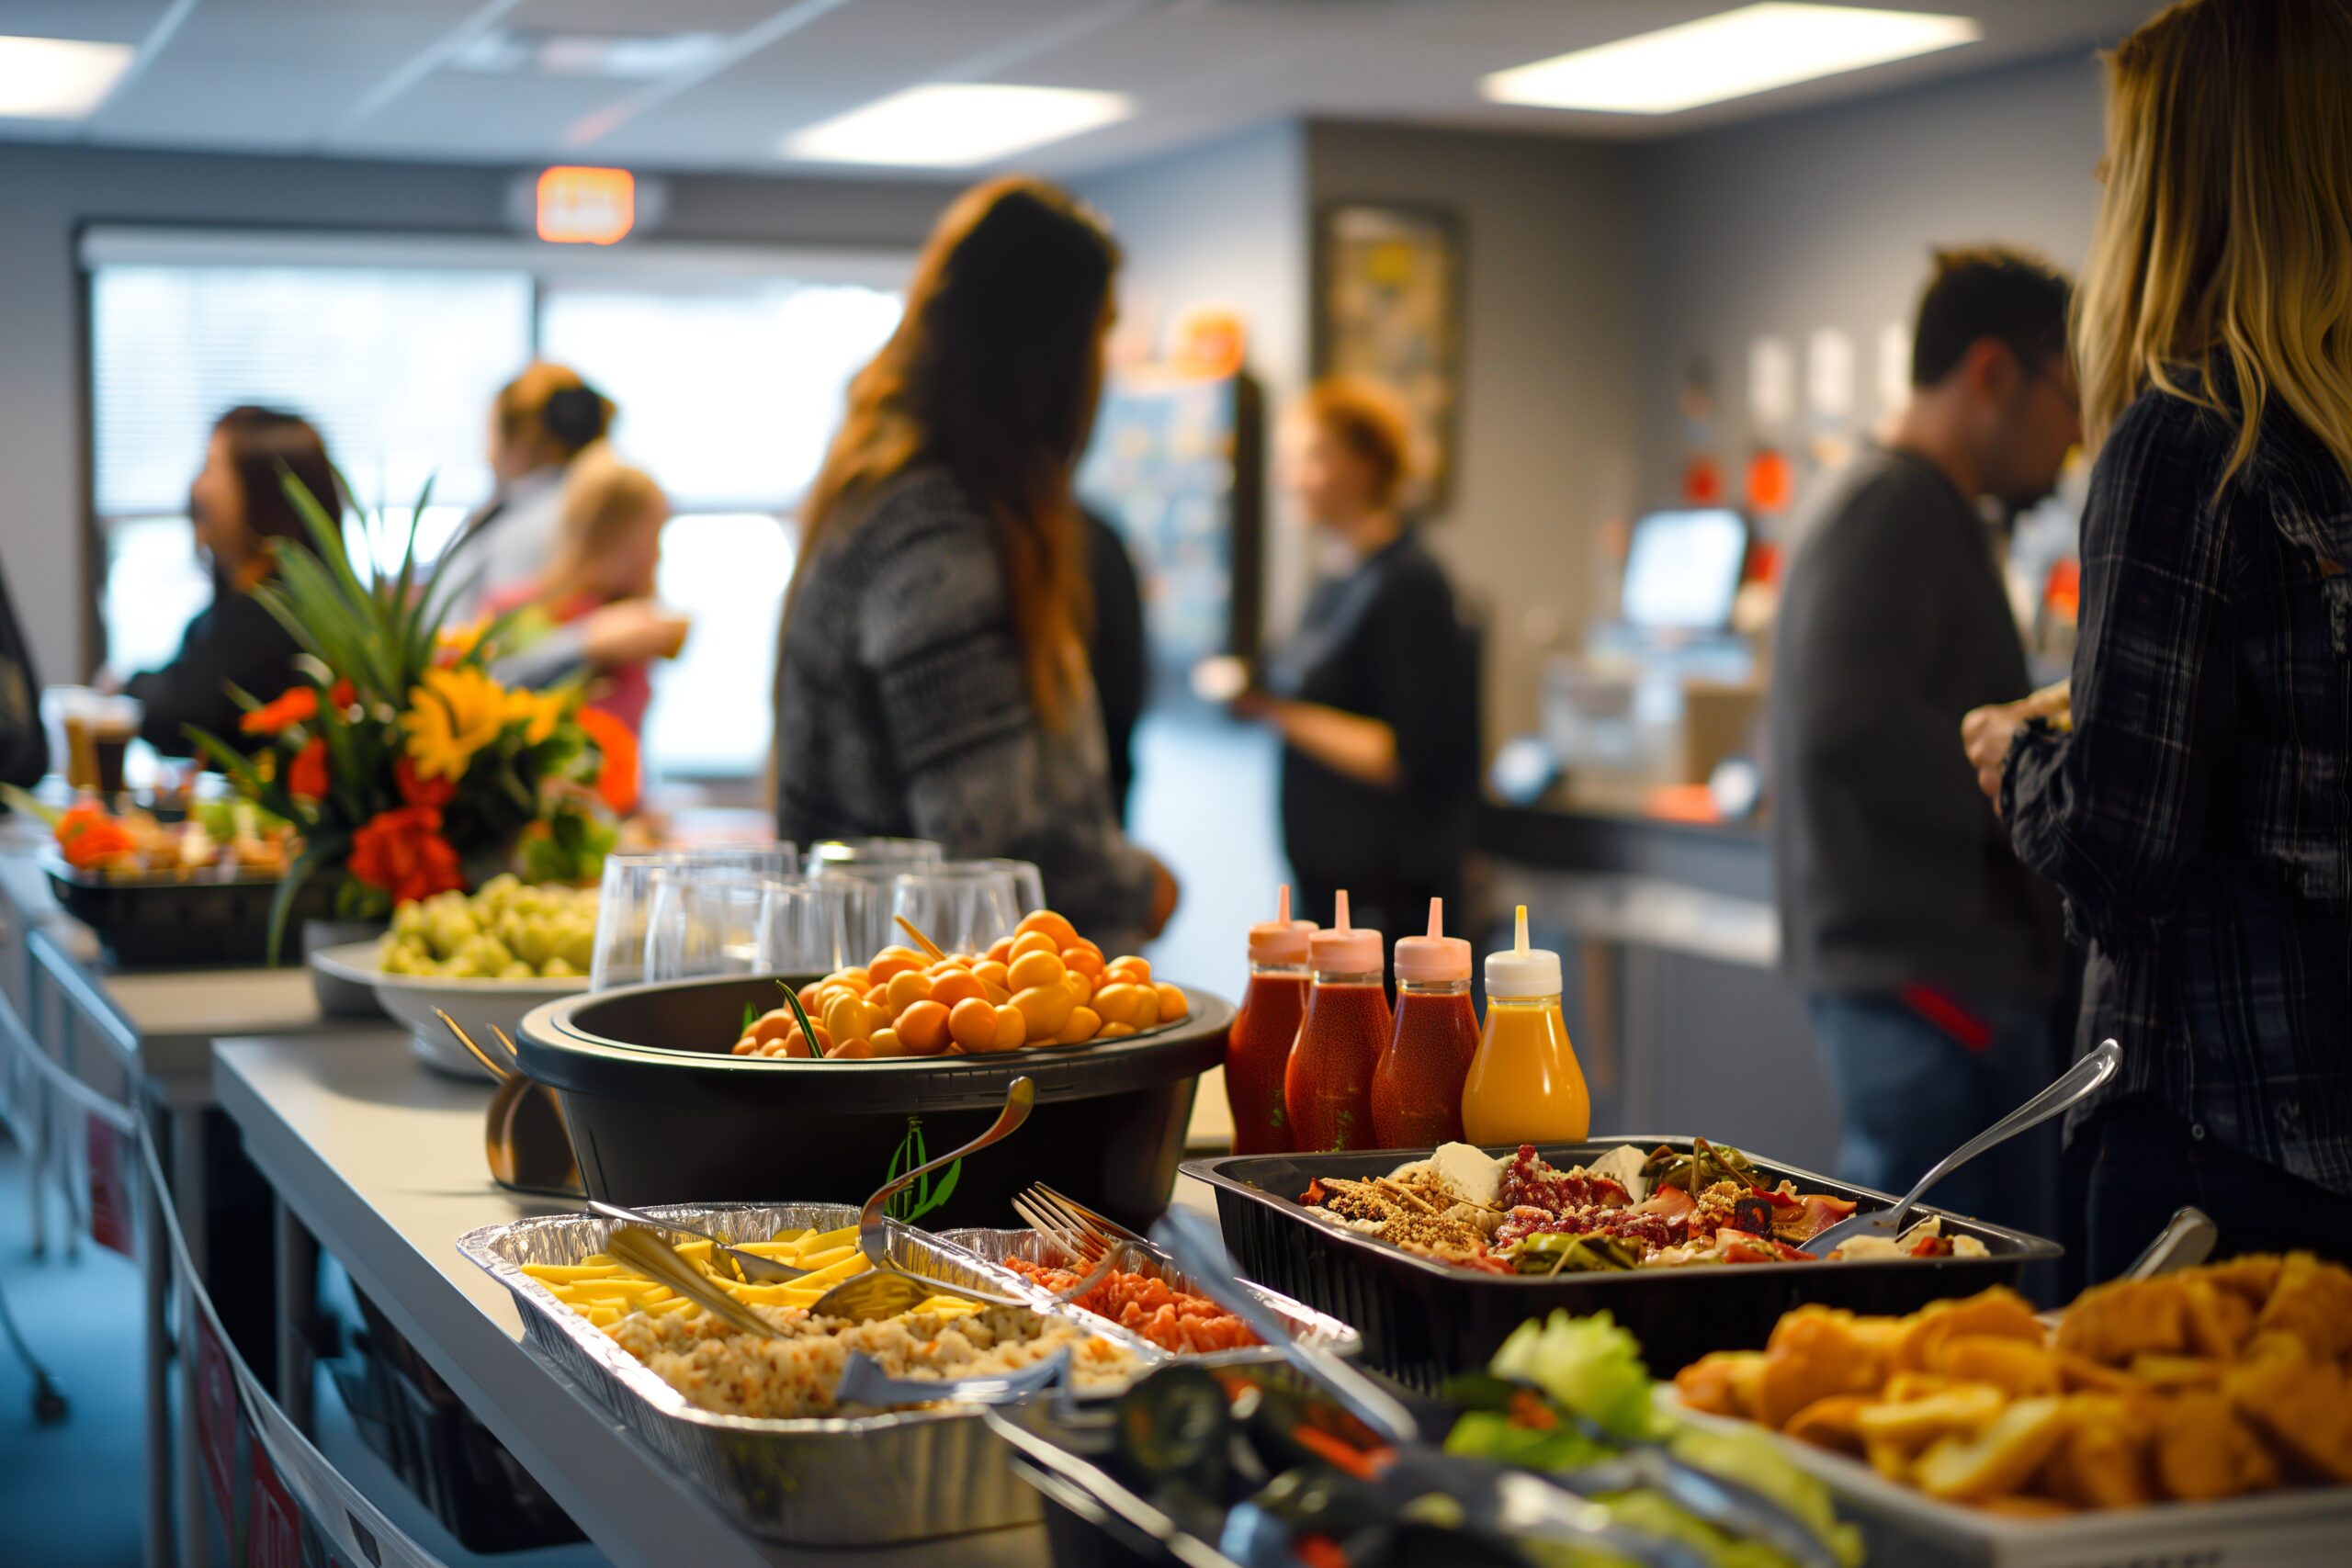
column 408, row 767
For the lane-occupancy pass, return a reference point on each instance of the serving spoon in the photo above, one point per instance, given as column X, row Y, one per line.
column 2076, row 1084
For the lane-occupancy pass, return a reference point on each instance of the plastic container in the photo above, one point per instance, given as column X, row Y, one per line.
column 1423, row 1321
column 158, row 924
column 1327, row 1089
column 1257, row 1048
column 1417, row 1088
column 660, row 1112
column 1524, row 1085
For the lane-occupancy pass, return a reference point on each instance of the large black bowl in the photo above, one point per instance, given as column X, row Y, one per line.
column 660, row 1112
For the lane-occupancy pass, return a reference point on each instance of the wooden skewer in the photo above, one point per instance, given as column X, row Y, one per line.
column 912, row 931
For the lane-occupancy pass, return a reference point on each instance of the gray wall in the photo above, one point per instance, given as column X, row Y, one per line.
column 1550, row 356
column 1825, row 220
column 47, row 192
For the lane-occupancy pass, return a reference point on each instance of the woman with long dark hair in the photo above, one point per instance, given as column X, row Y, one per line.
column 931, row 679
column 240, row 509
column 2197, row 813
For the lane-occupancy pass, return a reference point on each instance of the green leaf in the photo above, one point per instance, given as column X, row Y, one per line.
column 317, row 853
column 937, row 1197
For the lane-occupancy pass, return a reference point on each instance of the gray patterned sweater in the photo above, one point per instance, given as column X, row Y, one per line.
column 902, row 708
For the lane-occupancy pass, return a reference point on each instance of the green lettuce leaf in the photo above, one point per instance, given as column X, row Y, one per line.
column 1589, row 1364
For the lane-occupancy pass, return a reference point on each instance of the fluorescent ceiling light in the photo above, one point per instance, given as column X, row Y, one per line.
column 1751, row 50
column 57, row 78
column 640, row 58
column 955, row 124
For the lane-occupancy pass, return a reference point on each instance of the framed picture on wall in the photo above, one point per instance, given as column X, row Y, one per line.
column 1388, row 306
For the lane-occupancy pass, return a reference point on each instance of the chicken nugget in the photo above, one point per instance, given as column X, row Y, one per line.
column 2013, row 1365
column 1998, row 1459
column 1709, row 1383
column 2113, row 1322
column 1999, row 1311
column 1813, row 1356
column 1833, row 1422
column 2311, row 1301
column 2103, row 1461
column 2302, row 1408
column 2219, row 1321
column 2203, row 1451
column 2251, row 1278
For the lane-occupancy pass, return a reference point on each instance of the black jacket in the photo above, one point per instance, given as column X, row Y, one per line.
column 233, row 641
column 1116, row 649
column 24, row 746
column 1891, row 868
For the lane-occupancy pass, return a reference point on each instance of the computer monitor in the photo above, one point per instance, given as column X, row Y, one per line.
column 1682, row 570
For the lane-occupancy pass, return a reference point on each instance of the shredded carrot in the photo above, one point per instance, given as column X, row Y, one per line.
column 1359, row 1462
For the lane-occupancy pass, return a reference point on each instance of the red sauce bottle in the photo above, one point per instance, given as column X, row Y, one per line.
column 1257, row 1048
column 1327, row 1089
column 1417, row 1088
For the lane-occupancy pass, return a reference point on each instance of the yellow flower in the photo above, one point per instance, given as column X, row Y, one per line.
column 452, row 716
column 455, row 642
column 539, row 712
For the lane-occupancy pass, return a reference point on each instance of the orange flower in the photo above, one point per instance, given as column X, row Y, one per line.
column 402, row 851
column 296, row 705
column 417, row 790
column 342, row 694
column 616, row 781
column 306, row 776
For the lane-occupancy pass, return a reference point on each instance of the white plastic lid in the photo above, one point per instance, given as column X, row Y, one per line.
column 1342, row 949
column 1281, row 940
column 1522, row 971
column 1437, row 957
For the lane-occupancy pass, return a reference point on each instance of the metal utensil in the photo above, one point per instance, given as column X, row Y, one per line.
column 2186, row 1241
column 750, row 1267
column 1500, row 1493
column 1095, row 1233
column 2074, row 1085
column 647, row 1253
column 499, row 1071
column 863, row 1381
column 885, row 1290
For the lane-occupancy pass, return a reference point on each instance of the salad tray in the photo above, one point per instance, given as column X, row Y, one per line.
column 1900, row 1524
column 1304, row 1322
column 175, row 923
column 1422, row 1320
column 822, row 1481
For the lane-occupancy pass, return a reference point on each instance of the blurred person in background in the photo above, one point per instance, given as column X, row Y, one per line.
column 932, row 676
column 24, row 745
column 540, row 424
column 1930, row 959
column 607, row 552
column 1373, row 695
column 240, row 509
column 2197, row 815
column 1115, row 651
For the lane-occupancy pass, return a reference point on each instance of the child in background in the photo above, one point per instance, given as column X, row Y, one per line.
column 608, row 551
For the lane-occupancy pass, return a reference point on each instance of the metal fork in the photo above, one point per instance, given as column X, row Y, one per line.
column 1077, row 1229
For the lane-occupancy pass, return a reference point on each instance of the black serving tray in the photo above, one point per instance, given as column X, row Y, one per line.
column 164, row 924
column 1423, row 1321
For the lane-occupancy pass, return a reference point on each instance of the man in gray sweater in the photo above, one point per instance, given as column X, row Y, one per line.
column 1928, row 954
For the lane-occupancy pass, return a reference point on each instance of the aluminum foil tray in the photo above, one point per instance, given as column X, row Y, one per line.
column 1306, row 1323
column 843, row 1481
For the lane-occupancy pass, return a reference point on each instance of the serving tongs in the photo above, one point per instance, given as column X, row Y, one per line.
column 750, row 1267
column 1499, row 1502
column 888, row 1288
column 523, row 1137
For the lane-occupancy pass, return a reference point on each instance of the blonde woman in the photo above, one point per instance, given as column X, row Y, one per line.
column 608, row 554
column 2198, row 816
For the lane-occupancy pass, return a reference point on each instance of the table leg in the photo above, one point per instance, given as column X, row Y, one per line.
column 156, row 1270
column 297, row 1287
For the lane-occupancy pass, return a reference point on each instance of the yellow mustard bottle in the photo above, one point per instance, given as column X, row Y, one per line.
column 1524, row 1085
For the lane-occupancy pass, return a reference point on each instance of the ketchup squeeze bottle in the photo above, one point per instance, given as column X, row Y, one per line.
column 1417, row 1088
column 1327, row 1089
column 1257, row 1048
column 1524, row 1085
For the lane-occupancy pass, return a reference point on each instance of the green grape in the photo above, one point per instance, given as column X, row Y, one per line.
column 558, row 969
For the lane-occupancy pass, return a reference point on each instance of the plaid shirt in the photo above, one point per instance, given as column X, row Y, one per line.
column 2198, row 818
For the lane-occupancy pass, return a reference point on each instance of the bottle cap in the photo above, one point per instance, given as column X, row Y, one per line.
column 1522, row 970
column 1281, row 940
column 1342, row 949
column 1427, row 960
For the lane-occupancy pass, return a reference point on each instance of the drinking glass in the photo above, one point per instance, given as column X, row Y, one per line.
column 627, row 897
column 830, row 855
column 1028, row 883
column 703, row 923
column 961, row 905
column 810, row 925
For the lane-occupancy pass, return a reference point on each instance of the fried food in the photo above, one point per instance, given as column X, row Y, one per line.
column 1832, row 1423
column 2102, row 1462
column 1997, row 1461
column 2219, row 1321
column 1813, row 1355
column 2312, row 1301
column 2302, row 1408
column 1963, row 1410
column 1998, row 1310
column 2204, row 1451
column 2016, row 1367
column 2112, row 1324
column 1712, row 1383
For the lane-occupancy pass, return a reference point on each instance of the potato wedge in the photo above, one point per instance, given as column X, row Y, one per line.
column 2110, row 1324
column 2103, row 1461
column 1998, row 1310
column 2302, row 1409
column 1832, row 1423
column 1711, row 1384
column 1998, row 1459
column 1963, row 1410
column 2312, row 1301
column 1814, row 1356
column 2203, row 1451
column 2015, row 1366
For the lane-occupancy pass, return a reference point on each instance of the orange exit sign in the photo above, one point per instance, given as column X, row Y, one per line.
column 579, row 206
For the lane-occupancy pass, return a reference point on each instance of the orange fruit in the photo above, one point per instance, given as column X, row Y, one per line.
column 1044, row 1010
column 1035, row 941
column 894, row 962
column 955, row 986
column 1001, row 950
column 1083, row 1025
column 1172, row 1005
column 885, row 1042
column 1115, row 1032
column 923, row 1029
column 1012, row 1029
column 1133, row 970
column 1120, row 1002
column 1053, row 925
column 1037, row 968
column 906, row 989
column 1086, row 958
column 971, row 1023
